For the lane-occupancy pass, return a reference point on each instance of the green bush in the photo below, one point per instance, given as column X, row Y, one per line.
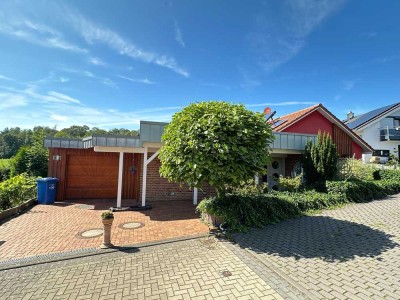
column 320, row 159
column 351, row 168
column 389, row 174
column 242, row 211
column 16, row 190
column 290, row 184
column 4, row 169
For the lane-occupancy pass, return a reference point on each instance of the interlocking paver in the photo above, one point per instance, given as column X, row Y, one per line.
column 54, row 228
column 137, row 275
column 347, row 253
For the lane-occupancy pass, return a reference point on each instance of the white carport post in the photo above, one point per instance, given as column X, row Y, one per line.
column 195, row 192
column 120, row 174
column 145, row 163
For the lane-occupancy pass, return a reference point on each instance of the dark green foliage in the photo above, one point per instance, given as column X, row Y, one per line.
column 16, row 190
column 389, row 174
column 19, row 164
column 215, row 142
column 243, row 209
column 32, row 160
column 5, row 165
column 320, row 159
column 241, row 212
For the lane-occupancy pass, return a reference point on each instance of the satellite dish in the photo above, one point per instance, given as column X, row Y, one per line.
column 268, row 117
column 267, row 110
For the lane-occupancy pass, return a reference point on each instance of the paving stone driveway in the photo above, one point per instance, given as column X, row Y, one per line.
column 180, row 270
column 348, row 253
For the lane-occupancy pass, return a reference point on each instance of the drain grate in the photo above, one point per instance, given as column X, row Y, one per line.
column 91, row 233
column 131, row 225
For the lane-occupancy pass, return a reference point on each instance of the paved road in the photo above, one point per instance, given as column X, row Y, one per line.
column 180, row 270
column 348, row 253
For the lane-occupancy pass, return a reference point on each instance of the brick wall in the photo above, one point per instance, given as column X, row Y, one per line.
column 159, row 188
column 290, row 161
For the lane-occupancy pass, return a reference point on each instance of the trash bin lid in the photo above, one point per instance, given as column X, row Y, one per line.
column 47, row 179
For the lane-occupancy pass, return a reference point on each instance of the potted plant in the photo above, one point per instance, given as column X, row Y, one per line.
column 107, row 218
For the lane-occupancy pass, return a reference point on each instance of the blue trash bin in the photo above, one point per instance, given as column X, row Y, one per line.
column 46, row 190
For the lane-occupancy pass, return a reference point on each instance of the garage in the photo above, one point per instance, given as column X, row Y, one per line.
column 92, row 176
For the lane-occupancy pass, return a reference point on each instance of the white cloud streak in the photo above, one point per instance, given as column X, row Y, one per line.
column 278, row 38
column 145, row 80
column 178, row 35
column 38, row 34
column 93, row 33
column 6, row 78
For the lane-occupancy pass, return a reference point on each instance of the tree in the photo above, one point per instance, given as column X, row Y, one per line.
column 215, row 142
column 19, row 163
column 320, row 159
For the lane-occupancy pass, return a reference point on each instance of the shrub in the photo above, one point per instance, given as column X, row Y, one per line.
column 320, row 159
column 363, row 191
column 290, row 184
column 241, row 212
column 351, row 168
column 4, row 169
column 16, row 190
column 389, row 174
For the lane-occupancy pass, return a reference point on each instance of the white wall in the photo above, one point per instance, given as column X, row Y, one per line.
column 371, row 134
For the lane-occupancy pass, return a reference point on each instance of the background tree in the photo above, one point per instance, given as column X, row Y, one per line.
column 320, row 159
column 215, row 142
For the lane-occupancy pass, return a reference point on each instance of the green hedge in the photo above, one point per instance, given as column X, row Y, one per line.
column 244, row 210
column 16, row 190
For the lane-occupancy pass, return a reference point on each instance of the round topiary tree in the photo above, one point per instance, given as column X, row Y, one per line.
column 215, row 142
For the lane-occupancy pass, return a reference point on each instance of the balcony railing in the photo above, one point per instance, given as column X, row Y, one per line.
column 390, row 133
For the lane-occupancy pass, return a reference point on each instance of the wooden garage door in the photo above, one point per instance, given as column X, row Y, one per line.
column 92, row 176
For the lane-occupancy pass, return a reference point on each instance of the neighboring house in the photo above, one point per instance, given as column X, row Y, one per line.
column 307, row 123
column 380, row 128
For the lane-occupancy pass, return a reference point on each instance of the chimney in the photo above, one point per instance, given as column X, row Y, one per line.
column 350, row 115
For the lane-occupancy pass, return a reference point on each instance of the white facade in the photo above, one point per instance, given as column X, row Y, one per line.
column 386, row 126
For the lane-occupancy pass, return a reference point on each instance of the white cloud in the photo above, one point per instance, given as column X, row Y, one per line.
column 38, row 34
column 278, row 37
column 337, row 97
column 56, row 117
column 6, row 78
column 93, row 33
column 348, row 85
column 30, row 107
column 145, row 80
column 63, row 97
column 103, row 80
column 97, row 61
column 178, row 35
column 10, row 100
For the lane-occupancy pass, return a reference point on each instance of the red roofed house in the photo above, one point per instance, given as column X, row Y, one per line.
column 297, row 128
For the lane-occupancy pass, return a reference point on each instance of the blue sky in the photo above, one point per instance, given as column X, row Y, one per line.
column 112, row 63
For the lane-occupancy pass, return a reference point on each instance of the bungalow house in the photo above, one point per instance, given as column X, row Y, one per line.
column 380, row 128
column 308, row 122
column 127, row 167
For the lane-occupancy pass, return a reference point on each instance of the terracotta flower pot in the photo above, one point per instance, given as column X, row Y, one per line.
column 107, row 223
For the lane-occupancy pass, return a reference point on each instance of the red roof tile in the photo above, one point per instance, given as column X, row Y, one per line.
column 292, row 118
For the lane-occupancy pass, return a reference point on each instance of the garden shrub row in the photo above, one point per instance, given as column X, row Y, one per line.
column 16, row 190
column 243, row 210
